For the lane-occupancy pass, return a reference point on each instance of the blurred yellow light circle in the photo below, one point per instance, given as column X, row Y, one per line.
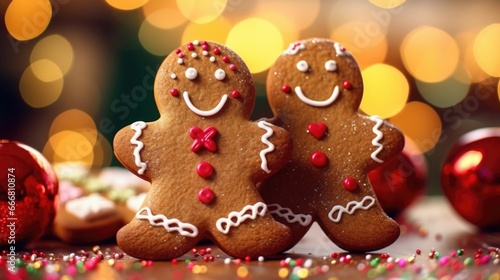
column 443, row 94
column 75, row 120
column 387, row 4
column 301, row 14
column 163, row 14
column 216, row 31
column 71, row 146
column 486, row 49
column 421, row 123
column 201, row 11
column 103, row 152
column 367, row 42
column 282, row 22
column 257, row 41
column 55, row 48
column 126, row 4
column 36, row 92
column 498, row 90
column 473, row 73
column 46, row 70
column 26, row 19
column 155, row 40
column 430, row 54
column 386, row 90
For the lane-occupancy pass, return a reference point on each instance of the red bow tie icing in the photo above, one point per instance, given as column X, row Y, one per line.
column 317, row 130
column 203, row 138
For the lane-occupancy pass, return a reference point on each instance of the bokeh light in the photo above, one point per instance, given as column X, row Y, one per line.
column 27, row 19
column 257, row 41
column 155, row 40
column 216, row 30
column 421, row 123
column 75, row 120
column 46, row 70
column 37, row 93
column 71, row 146
column 282, row 22
column 300, row 14
column 366, row 42
column 386, row 90
column 486, row 49
column 429, row 54
column 163, row 14
column 387, row 4
column 56, row 49
column 126, row 5
column 201, row 11
column 474, row 73
column 443, row 94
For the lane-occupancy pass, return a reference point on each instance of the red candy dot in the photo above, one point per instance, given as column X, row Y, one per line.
column 232, row 67
column 177, row 51
column 319, row 159
column 204, row 46
column 350, row 183
column 190, row 46
column 347, row 85
column 216, row 51
column 235, row 94
column 206, row 195
column 286, row 88
column 225, row 59
column 174, row 92
column 204, row 169
column 180, row 55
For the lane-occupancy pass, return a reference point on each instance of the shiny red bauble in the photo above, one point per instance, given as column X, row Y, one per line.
column 400, row 181
column 470, row 177
column 28, row 194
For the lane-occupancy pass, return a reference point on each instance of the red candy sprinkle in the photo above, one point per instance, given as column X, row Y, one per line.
column 350, row 184
column 174, row 92
column 206, row 195
column 235, row 94
column 232, row 67
column 319, row 159
column 180, row 55
column 177, row 51
column 204, row 46
column 190, row 46
column 286, row 88
column 216, row 51
column 204, row 169
column 225, row 59
column 347, row 85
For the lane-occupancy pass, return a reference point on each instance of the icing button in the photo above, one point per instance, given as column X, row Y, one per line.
column 206, row 195
column 319, row 159
column 204, row 169
column 318, row 130
column 350, row 183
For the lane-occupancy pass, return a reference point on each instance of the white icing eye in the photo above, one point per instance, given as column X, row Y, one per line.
column 331, row 65
column 220, row 74
column 302, row 66
column 191, row 73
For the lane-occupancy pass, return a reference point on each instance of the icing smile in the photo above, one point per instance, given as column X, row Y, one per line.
column 204, row 113
column 316, row 103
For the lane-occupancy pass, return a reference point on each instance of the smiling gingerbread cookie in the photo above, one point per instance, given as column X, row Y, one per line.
column 203, row 157
column 315, row 89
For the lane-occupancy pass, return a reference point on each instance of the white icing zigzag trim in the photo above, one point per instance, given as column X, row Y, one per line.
column 270, row 147
column 224, row 224
column 138, row 127
column 287, row 213
column 350, row 208
column 340, row 50
column 184, row 229
column 203, row 113
column 294, row 48
column 311, row 102
column 378, row 137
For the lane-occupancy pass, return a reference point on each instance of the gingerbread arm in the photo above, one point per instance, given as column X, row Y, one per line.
column 128, row 148
column 387, row 141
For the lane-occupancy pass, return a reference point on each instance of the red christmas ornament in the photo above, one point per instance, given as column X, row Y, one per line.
column 28, row 194
column 470, row 177
column 400, row 181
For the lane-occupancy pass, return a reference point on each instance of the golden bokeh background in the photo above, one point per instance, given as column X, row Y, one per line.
column 73, row 72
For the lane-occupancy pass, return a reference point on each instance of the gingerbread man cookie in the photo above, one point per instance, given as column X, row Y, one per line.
column 204, row 158
column 315, row 89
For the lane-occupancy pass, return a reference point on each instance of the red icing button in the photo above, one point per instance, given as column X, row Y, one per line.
column 206, row 195
column 319, row 159
column 235, row 94
column 286, row 88
column 174, row 92
column 203, row 138
column 350, row 183
column 347, row 85
column 204, row 169
column 317, row 130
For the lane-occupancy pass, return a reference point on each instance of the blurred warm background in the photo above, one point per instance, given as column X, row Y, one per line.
column 73, row 72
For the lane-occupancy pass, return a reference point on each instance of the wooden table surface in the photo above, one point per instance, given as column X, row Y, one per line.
column 435, row 244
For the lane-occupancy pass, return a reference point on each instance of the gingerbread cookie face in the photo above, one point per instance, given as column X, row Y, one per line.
column 315, row 89
column 203, row 157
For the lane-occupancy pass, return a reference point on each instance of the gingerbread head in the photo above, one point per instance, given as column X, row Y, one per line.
column 315, row 88
column 203, row 157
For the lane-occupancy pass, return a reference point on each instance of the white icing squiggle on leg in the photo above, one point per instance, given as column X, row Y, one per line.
column 184, row 229
column 270, row 147
column 378, row 136
column 138, row 127
column 350, row 208
column 287, row 213
column 224, row 224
